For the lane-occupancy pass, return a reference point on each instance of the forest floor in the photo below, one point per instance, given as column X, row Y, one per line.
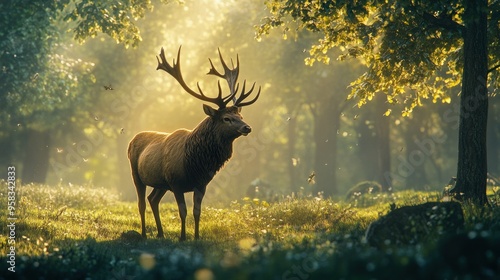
column 75, row 232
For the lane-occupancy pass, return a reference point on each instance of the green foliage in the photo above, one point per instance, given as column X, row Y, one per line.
column 37, row 83
column 396, row 198
column 114, row 18
column 47, row 83
column 413, row 49
column 26, row 39
column 74, row 230
column 55, row 92
column 33, row 68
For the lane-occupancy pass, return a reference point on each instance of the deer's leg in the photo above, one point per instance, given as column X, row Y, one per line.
column 141, row 197
column 181, row 204
column 154, row 201
column 197, row 198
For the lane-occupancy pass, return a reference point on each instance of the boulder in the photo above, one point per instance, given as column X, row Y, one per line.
column 414, row 224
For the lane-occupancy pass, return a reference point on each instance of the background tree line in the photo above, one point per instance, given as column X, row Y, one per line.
column 79, row 80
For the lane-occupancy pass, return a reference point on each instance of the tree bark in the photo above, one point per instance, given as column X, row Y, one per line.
column 367, row 154
column 36, row 157
column 374, row 153
column 414, row 156
column 326, row 123
column 472, row 159
column 492, row 142
column 383, row 147
column 292, row 166
column 125, row 183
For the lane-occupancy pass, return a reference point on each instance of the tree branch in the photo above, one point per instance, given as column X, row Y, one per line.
column 443, row 22
column 493, row 68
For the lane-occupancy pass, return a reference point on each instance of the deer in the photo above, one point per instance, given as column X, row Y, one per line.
column 187, row 160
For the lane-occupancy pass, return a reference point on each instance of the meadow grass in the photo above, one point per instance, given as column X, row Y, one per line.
column 77, row 232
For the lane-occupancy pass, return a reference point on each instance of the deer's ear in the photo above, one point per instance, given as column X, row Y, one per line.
column 209, row 110
column 239, row 109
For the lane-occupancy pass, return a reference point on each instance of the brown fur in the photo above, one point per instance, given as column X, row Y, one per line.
column 183, row 161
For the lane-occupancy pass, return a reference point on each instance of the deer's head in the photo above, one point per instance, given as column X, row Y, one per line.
column 227, row 118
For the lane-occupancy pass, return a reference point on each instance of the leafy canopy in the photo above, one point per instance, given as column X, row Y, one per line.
column 114, row 18
column 413, row 49
column 37, row 78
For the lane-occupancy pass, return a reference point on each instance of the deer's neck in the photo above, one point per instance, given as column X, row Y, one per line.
column 207, row 151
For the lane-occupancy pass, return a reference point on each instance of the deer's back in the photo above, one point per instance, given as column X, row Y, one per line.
column 158, row 158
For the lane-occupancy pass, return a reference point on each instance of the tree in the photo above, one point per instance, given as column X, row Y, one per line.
column 31, row 32
column 407, row 45
column 41, row 87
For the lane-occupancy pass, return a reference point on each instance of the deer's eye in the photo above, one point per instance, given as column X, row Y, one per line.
column 226, row 119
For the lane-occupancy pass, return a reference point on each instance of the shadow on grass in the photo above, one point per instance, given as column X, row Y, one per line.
column 472, row 255
column 123, row 258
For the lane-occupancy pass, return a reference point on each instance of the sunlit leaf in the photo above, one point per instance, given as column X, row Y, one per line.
column 402, row 52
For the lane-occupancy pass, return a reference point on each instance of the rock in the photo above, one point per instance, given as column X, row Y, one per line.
column 413, row 224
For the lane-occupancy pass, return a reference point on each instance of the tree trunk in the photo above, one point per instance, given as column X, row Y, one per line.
column 36, row 157
column 292, row 164
column 472, row 160
column 125, row 182
column 326, row 123
column 415, row 157
column 367, row 154
column 492, row 141
column 7, row 152
column 374, row 143
column 383, row 147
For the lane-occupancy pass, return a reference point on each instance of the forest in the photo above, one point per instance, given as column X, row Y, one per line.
column 73, row 98
column 364, row 107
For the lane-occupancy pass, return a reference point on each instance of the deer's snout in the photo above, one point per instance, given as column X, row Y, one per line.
column 244, row 130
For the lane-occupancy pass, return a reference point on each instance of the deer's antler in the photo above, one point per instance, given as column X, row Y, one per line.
column 230, row 75
column 243, row 96
column 175, row 71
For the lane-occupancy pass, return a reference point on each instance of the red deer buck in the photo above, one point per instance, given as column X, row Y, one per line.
column 187, row 160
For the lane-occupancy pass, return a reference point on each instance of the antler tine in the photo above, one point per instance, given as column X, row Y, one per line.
column 175, row 71
column 244, row 95
column 230, row 75
column 231, row 96
column 219, row 96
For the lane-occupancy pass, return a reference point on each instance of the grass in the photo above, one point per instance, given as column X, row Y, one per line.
column 76, row 232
